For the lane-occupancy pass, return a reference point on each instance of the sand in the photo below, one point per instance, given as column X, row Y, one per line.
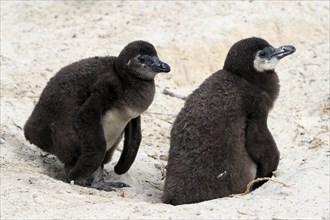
column 40, row 37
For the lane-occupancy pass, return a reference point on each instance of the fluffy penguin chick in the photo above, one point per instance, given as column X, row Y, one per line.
column 220, row 140
column 89, row 105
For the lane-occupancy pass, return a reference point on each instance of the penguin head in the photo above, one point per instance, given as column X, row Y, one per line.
column 139, row 59
column 267, row 58
column 255, row 55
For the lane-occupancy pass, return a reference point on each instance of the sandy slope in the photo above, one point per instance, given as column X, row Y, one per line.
column 38, row 38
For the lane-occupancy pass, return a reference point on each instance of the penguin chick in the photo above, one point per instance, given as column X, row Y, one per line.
column 88, row 106
column 220, row 140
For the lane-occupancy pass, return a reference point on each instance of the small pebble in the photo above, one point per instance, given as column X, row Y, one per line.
column 121, row 194
column 163, row 157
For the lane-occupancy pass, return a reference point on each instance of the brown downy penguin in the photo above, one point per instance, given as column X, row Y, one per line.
column 89, row 105
column 220, row 140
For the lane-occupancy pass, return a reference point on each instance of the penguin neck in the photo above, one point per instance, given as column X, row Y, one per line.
column 139, row 93
column 266, row 81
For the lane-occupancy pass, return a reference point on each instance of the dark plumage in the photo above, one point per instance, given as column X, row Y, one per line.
column 86, row 107
column 220, row 140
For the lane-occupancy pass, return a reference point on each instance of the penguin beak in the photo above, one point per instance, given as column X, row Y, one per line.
column 159, row 66
column 283, row 51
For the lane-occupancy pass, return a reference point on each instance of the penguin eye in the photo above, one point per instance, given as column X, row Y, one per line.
column 262, row 54
column 141, row 59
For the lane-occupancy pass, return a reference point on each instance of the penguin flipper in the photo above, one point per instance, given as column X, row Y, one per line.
column 131, row 145
column 261, row 147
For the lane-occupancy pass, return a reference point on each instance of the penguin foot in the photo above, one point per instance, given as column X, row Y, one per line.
column 107, row 186
column 95, row 180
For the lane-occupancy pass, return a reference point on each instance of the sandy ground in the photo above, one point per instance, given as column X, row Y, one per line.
column 40, row 37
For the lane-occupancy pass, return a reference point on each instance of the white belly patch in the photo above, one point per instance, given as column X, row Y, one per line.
column 114, row 122
column 253, row 170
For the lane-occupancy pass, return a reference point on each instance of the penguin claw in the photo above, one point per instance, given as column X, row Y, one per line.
column 108, row 186
column 120, row 185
